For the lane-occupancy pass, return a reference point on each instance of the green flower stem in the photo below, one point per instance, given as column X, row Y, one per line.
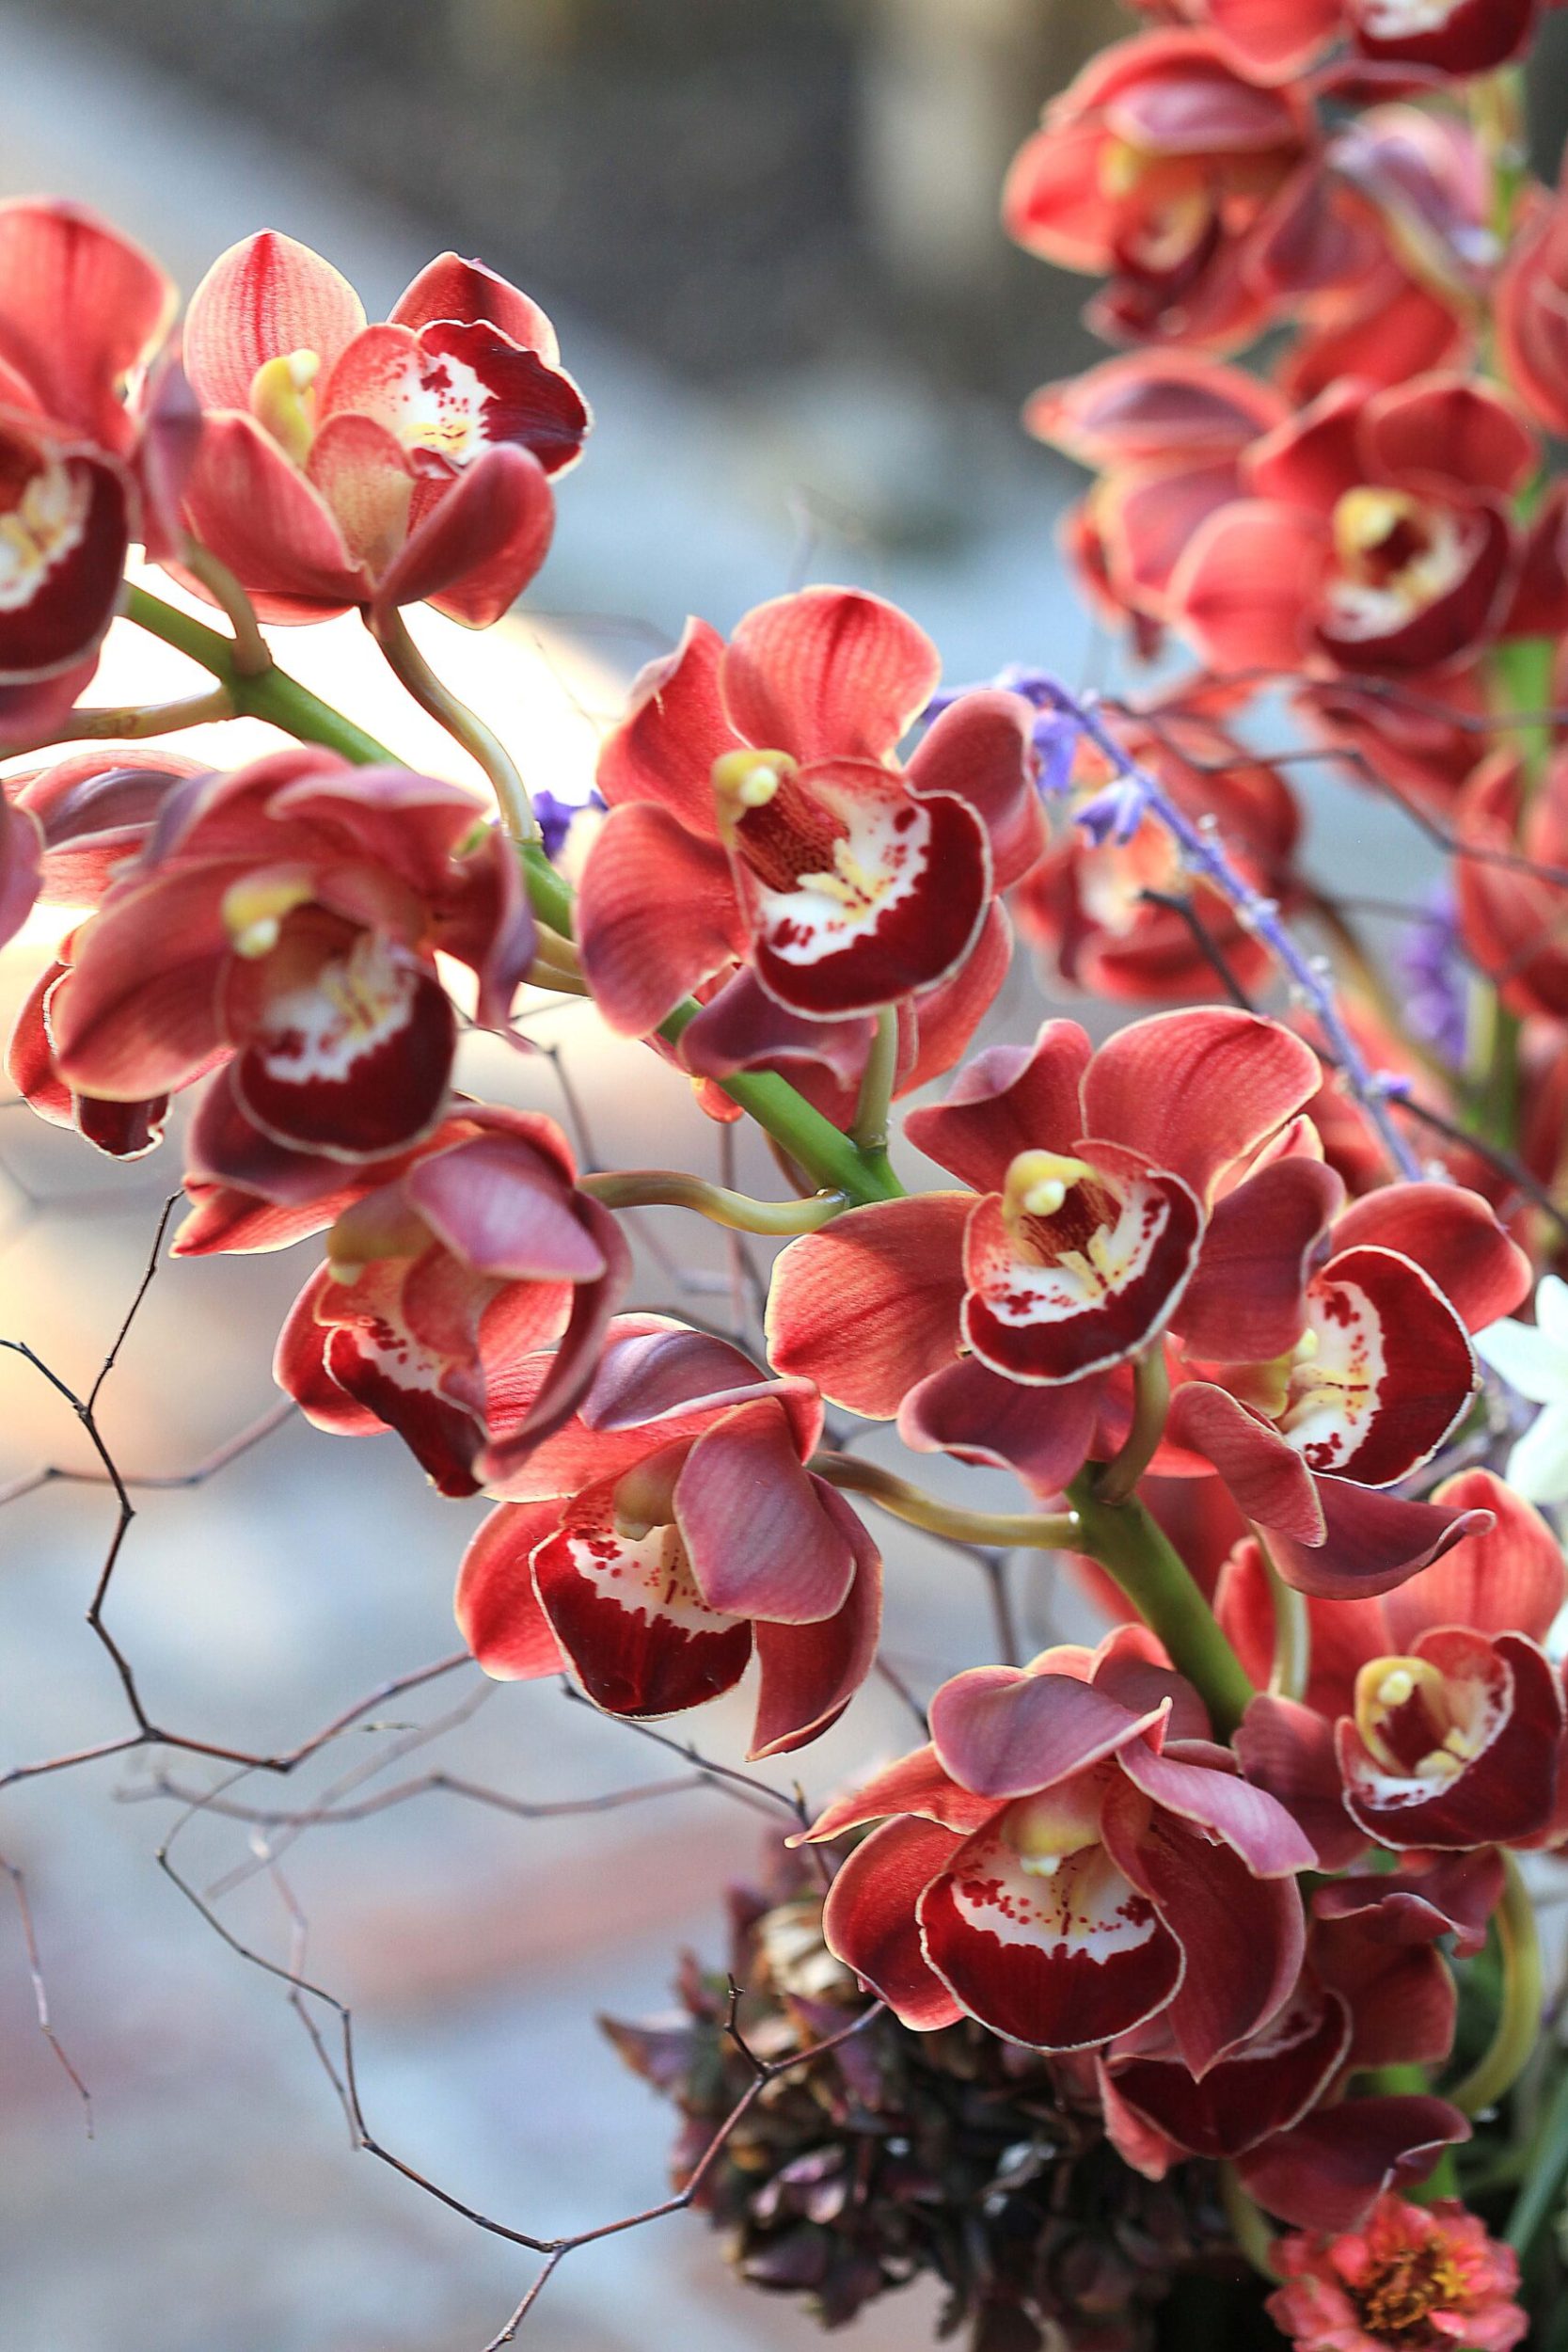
column 481, row 743
column 673, row 1188
column 1291, row 1665
column 1518, row 2027
column 130, row 722
column 817, row 1146
column 869, row 1128
column 1253, row 2232
column 252, row 655
column 1151, row 1404
column 1132, row 1548
column 998, row 1529
column 272, row 694
column 1545, row 2161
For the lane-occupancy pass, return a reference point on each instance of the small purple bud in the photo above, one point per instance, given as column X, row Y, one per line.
column 1115, row 813
column 555, row 817
column 1057, row 738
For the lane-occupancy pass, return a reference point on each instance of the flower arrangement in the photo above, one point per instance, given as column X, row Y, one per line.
column 1180, row 1986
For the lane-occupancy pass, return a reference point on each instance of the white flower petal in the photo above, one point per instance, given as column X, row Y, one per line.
column 1529, row 1359
column 1538, row 1466
column 1551, row 1308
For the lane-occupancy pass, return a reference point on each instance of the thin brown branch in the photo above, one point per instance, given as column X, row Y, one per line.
column 40, row 1993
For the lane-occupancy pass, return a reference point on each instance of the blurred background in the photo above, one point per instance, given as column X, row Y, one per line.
column 767, row 231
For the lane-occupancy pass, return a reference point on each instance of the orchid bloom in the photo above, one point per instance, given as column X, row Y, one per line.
column 990, row 1321
column 668, row 1531
column 1159, row 164
column 1411, row 2276
column 1121, row 918
column 343, row 464
column 446, row 1266
column 83, row 316
column 286, row 918
column 1382, row 1370
column 1375, row 536
column 1448, row 1718
column 1072, row 1857
column 1281, row 39
column 1510, row 912
column 758, row 814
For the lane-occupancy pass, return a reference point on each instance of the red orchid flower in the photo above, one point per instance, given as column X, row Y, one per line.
column 83, row 315
column 1058, row 1867
column 1511, row 918
column 668, row 1531
column 1122, row 919
column 1374, row 1993
column 1382, row 1370
column 288, row 915
column 446, row 1266
column 1449, row 1718
column 343, row 464
column 757, row 814
column 1275, row 41
column 741, row 1027
column 1093, row 1213
column 1532, row 306
column 1376, row 537
column 1157, row 166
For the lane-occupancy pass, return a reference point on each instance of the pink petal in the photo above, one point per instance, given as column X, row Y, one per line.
column 981, row 749
column 499, row 1613
column 1329, row 2172
column 657, row 914
column 21, row 867
column 258, row 514
column 1004, row 1732
column 1153, row 404
column 1447, row 430
column 1007, row 1100
column 870, row 1305
column 916, row 1785
column 810, row 1673
column 501, row 1210
column 1242, row 1936
column 1287, row 1749
column 1060, row 1963
column 828, row 674
column 367, row 482
column 1403, row 1997
column 80, row 308
column 1248, row 584
column 946, row 1017
column 1507, row 1579
column 451, row 288
column 139, row 1013
column 971, row 1411
column 1259, row 2089
column 868, row 1921
column 96, row 808
column 1452, row 1234
column 675, row 727
column 1274, row 40
column 760, row 1540
column 1311, row 459
column 261, row 300
column 1197, row 1091
column 299, row 1368
column 592, row 1306
column 1344, row 1633
column 1268, row 1478
column 1445, row 1894
column 1252, row 1823
column 1373, row 1541
column 1246, row 1303
column 474, row 544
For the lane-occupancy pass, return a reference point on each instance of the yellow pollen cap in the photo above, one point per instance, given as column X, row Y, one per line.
column 282, row 397
column 1037, row 1182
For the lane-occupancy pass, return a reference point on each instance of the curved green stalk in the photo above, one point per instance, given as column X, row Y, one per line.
column 1134, row 1551
column 673, row 1188
column 1518, row 2027
column 1036, row 1532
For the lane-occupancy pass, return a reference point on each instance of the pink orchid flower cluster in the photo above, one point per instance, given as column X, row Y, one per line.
column 1228, row 1864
